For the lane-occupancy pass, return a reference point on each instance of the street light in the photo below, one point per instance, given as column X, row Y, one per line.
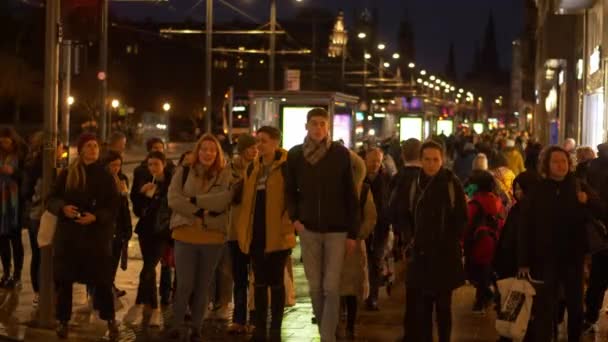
column 412, row 65
column 367, row 55
column 419, row 80
column 381, row 46
column 71, row 100
column 423, row 72
column 433, row 77
column 167, row 106
column 115, row 103
column 362, row 35
column 396, row 56
column 387, row 64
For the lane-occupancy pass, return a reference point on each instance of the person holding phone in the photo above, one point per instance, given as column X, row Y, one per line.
column 86, row 202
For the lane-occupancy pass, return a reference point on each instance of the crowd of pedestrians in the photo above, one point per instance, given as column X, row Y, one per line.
column 466, row 208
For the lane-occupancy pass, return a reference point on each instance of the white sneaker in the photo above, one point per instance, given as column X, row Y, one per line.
column 134, row 315
column 155, row 318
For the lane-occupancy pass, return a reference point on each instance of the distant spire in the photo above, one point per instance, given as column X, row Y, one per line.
column 489, row 52
column 406, row 40
column 450, row 68
column 476, row 67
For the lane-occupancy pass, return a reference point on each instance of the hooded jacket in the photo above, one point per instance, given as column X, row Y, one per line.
column 280, row 234
column 484, row 204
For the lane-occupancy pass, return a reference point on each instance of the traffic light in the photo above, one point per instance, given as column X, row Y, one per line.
column 81, row 19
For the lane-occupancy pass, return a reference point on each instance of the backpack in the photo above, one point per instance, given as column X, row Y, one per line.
column 483, row 225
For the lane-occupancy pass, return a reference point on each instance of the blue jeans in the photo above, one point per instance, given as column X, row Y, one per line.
column 195, row 267
column 323, row 256
column 240, row 274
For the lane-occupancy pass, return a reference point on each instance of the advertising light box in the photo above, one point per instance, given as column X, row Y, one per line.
column 342, row 128
column 478, row 127
column 410, row 128
column 294, row 125
column 446, row 127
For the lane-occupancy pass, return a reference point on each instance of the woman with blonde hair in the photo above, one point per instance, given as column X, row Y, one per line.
column 199, row 196
column 86, row 201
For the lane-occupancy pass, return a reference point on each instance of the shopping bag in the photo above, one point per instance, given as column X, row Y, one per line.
column 46, row 231
column 516, row 308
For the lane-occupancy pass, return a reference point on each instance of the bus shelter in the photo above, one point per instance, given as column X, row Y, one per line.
column 287, row 110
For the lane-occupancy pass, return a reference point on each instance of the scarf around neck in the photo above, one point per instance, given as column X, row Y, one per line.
column 314, row 152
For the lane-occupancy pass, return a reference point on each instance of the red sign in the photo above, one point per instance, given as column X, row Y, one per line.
column 101, row 75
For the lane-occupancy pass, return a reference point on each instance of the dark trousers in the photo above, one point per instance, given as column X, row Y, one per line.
column 269, row 271
column 240, row 270
column 117, row 245
column 104, row 301
column 420, row 305
column 351, row 311
column 598, row 283
column 374, row 267
column 482, row 277
column 151, row 250
column 166, row 282
column 35, row 262
column 569, row 277
column 12, row 245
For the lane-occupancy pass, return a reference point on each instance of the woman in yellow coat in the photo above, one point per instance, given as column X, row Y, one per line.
column 264, row 230
column 354, row 283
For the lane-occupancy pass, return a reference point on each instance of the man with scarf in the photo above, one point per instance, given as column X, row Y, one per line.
column 323, row 206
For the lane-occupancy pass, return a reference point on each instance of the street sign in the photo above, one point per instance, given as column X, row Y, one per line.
column 292, row 79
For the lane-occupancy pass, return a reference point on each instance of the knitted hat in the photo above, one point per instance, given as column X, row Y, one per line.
column 84, row 138
column 245, row 142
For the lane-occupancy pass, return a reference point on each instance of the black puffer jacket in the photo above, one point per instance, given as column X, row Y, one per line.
column 399, row 201
column 83, row 253
column 439, row 222
column 141, row 176
column 380, row 187
column 322, row 196
column 148, row 207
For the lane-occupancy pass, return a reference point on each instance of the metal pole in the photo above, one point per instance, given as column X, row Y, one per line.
column 314, row 52
column 66, row 78
column 103, row 68
column 273, row 43
column 230, row 114
column 381, row 69
column 365, row 77
column 51, row 82
column 343, row 67
column 208, row 64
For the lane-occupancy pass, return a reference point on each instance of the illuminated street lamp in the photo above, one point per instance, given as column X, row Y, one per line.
column 433, row 77
column 71, row 100
column 422, row 72
column 387, row 64
column 412, row 65
column 381, row 46
column 167, row 106
column 115, row 103
column 396, row 56
column 362, row 35
column 367, row 55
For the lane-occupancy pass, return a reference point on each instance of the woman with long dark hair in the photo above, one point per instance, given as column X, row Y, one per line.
column 153, row 232
column 11, row 164
column 85, row 200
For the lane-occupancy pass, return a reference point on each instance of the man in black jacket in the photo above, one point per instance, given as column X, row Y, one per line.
column 141, row 176
column 435, row 207
column 379, row 182
column 323, row 206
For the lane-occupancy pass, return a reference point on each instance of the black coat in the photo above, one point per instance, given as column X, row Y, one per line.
column 141, row 176
column 124, row 226
column 83, row 253
column 400, row 185
column 436, row 257
column 148, row 208
column 322, row 196
column 380, row 187
column 553, row 227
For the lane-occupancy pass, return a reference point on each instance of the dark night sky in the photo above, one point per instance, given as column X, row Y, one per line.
column 436, row 22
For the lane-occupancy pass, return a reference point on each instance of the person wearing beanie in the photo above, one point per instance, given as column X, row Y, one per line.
column 514, row 159
column 142, row 176
column 463, row 165
column 84, row 199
